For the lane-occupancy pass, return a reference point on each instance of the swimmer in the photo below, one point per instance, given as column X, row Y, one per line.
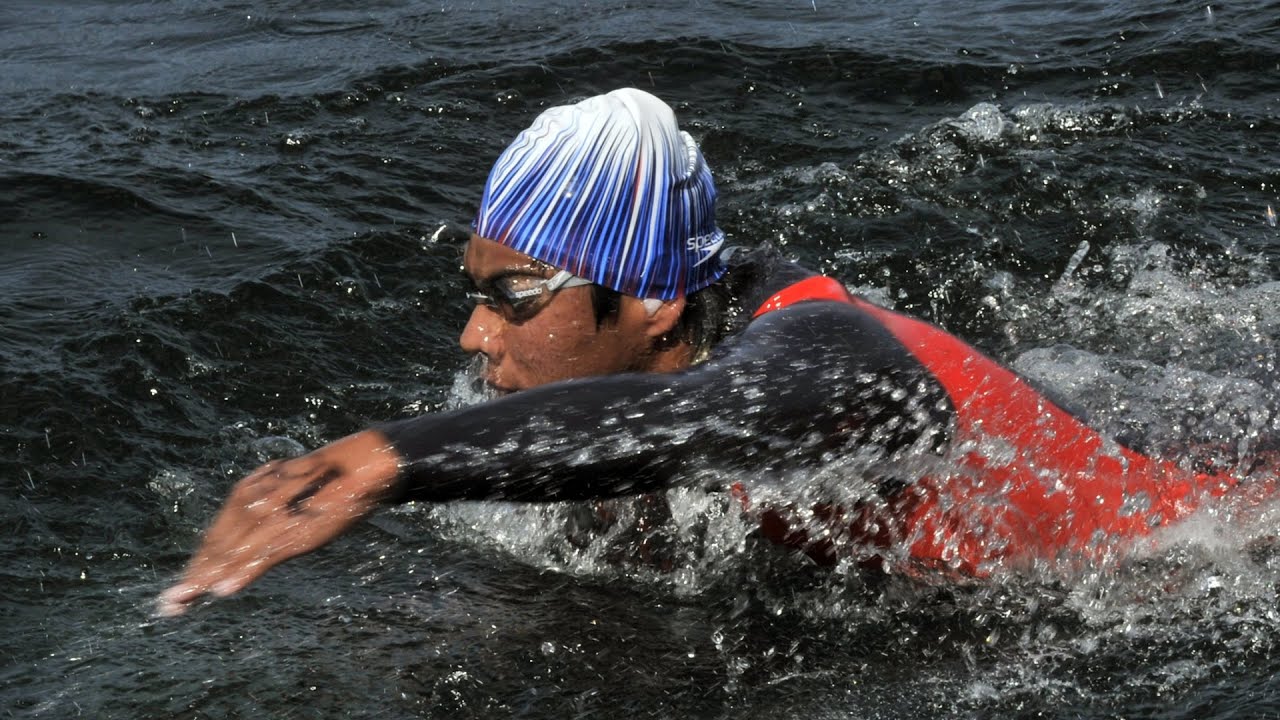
column 634, row 351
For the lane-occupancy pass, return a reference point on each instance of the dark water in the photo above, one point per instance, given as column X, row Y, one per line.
column 216, row 227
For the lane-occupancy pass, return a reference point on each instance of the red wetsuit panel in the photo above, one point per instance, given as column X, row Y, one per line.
column 817, row 287
column 1029, row 480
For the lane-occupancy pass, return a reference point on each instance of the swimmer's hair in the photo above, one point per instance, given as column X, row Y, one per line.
column 710, row 313
column 701, row 324
column 707, row 317
column 606, row 302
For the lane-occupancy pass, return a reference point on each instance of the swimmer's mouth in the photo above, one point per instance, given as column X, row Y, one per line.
column 482, row 379
column 485, row 384
column 497, row 389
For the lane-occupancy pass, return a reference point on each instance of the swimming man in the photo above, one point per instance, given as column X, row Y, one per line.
column 633, row 352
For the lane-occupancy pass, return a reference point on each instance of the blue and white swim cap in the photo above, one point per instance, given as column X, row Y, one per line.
column 611, row 190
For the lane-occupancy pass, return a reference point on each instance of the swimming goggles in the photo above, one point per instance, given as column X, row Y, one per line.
column 518, row 296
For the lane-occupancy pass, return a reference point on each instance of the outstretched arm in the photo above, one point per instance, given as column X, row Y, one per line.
column 798, row 384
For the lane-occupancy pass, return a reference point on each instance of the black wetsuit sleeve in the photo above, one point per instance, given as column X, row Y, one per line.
column 794, row 387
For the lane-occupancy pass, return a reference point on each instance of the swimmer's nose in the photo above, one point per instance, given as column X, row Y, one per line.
column 483, row 334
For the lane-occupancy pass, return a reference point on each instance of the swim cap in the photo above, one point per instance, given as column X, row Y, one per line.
column 611, row 190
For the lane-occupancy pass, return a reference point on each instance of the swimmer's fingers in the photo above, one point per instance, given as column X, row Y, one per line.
column 233, row 541
column 284, row 510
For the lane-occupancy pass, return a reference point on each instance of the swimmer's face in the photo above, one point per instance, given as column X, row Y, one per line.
column 561, row 340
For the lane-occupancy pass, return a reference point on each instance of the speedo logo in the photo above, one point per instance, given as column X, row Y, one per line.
column 709, row 244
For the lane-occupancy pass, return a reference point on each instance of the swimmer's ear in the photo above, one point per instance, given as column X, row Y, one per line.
column 662, row 316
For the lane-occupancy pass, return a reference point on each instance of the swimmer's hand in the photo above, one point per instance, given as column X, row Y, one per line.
column 285, row 509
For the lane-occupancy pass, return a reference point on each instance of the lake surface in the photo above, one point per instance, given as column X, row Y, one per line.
column 217, row 227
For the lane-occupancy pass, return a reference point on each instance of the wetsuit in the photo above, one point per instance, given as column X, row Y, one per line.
column 963, row 464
